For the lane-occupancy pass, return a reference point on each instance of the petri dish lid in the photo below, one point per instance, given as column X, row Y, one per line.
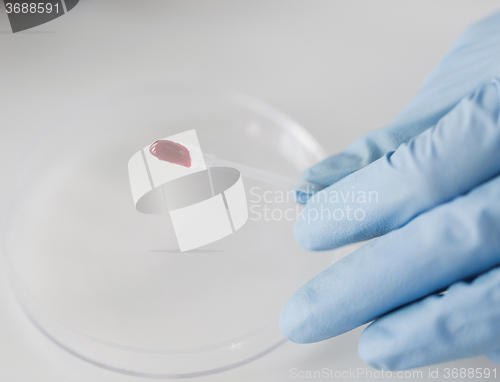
column 110, row 284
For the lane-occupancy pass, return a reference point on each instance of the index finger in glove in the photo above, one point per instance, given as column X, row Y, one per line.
column 472, row 60
column 459, row 153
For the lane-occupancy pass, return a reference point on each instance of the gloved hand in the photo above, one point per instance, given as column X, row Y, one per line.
column 429, row 185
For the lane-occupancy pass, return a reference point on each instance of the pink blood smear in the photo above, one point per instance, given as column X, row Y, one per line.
column 171, row 152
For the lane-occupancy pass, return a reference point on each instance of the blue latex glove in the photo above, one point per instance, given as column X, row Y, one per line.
column 435, row 171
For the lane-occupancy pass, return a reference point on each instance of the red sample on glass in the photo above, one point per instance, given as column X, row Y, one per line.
column 171, row 152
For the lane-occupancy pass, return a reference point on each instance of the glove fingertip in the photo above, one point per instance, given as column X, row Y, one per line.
column 305, row 235
column 332, row 169
column 300, row 197
column 377, row 350
column 293, row 321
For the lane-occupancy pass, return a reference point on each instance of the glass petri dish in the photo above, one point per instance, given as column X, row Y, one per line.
column 109, row 283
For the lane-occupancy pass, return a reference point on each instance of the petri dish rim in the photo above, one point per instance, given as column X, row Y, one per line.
column 70, row 338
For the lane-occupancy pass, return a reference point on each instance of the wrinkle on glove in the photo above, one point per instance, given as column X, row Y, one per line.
column 460, row 324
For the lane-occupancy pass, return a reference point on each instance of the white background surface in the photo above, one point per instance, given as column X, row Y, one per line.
column 339, row 68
